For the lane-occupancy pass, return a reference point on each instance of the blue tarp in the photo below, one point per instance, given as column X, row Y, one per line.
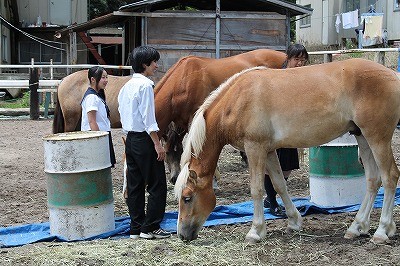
column 226, row 214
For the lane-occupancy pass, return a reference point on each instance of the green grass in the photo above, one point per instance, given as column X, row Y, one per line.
column 21, row 102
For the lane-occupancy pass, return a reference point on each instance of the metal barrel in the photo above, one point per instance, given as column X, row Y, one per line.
column 79, row 184
column 336, row 177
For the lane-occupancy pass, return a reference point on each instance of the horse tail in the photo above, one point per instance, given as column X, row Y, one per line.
column 58, row 120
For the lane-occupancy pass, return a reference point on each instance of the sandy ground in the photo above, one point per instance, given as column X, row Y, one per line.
column 23, row 201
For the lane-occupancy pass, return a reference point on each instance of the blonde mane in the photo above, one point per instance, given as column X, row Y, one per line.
column 197, row 132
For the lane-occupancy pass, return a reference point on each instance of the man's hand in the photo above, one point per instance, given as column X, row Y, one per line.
column 160, row 151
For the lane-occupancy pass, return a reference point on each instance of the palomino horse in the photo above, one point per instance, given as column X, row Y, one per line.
column 177, row 95
column 260, row 110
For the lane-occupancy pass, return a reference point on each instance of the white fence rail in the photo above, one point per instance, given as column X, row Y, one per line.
column 51, row 85
column 25, row 83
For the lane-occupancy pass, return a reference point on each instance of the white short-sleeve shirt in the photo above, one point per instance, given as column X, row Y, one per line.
column 93, row 102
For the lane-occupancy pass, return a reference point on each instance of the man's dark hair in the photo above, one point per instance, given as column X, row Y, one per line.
column 143, row 55
column 296, row 50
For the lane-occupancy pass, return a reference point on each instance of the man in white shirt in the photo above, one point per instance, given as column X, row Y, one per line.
column 144, row 152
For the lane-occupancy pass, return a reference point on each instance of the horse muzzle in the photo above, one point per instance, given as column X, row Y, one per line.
column 188, row 232
column 188, row 236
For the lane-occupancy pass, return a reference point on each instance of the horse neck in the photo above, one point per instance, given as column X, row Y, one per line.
column 206, row 162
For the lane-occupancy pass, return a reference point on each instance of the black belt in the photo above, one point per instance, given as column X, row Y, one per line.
column 137, row 133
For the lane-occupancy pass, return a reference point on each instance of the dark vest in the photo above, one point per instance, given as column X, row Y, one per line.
column 101, row 95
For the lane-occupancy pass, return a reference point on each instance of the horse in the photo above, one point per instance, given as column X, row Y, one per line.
column 260, row 110
column 177, row 95
column 185, row 86
column 67, row 115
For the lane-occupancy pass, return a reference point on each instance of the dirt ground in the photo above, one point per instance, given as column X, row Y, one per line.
column 23, row 201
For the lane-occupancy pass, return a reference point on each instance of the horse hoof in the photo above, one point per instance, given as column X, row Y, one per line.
column 252, row 241
column 349, row 235
column 380, row 240
column 252, row 237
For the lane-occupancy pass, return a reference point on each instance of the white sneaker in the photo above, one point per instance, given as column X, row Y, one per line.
column 148, row 235
column 159, row 233
column 134, row 236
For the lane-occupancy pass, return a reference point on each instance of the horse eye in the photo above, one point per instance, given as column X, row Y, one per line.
column 187, row 199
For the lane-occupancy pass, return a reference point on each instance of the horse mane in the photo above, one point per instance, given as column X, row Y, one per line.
column 197, row 133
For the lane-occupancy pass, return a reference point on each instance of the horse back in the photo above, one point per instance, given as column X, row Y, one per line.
column 69, row 96
column 70, row 93
column 286, row 105
column 185, row 86
column 115, row 83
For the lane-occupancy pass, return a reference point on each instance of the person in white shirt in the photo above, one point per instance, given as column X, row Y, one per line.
column 95, row 112
column 144, row 152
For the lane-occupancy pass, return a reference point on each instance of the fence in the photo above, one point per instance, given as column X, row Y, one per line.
column 35, row 85
column 380, row 58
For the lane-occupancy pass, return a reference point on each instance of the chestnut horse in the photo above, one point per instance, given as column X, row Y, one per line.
column 177, row 95
column 260, row 110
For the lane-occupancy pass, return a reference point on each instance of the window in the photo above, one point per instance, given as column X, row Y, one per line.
column 351, row 5
column 397, row 5
column 306, row 21
column 4, row 48
column 39, row 52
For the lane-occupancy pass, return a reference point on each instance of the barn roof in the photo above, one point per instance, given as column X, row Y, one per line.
column 278, row 6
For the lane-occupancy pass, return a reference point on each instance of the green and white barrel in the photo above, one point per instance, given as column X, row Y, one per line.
column 79, row 184
column 336, row 176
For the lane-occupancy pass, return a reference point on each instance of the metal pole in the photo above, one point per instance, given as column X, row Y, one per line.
column 288, row 28
column 398, row 62
column 360, row 39
column 217, row 28
column 34, row 97
column 123, row 45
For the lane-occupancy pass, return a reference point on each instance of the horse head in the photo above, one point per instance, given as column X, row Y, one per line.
column 173, row 148
column 196, row 201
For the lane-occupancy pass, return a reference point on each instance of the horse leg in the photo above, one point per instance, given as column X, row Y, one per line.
column 275, row 172
column 386, row 168
column 360, row 225
column 390, row 174
column 256, row 161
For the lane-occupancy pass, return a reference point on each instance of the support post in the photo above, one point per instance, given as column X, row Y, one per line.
column 398, row 62
column 381, row 58
column 217, row 29
column 33, row 88
column 360, row 39
column 327, row 58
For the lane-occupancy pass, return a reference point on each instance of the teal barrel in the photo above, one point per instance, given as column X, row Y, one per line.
column 336, row 176
column 79, row 184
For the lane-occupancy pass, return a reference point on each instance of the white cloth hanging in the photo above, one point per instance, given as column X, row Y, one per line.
column 350, row 19
column 337, row 22
column 373, row 28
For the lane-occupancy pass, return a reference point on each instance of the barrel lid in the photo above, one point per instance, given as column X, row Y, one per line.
column 75, row 135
